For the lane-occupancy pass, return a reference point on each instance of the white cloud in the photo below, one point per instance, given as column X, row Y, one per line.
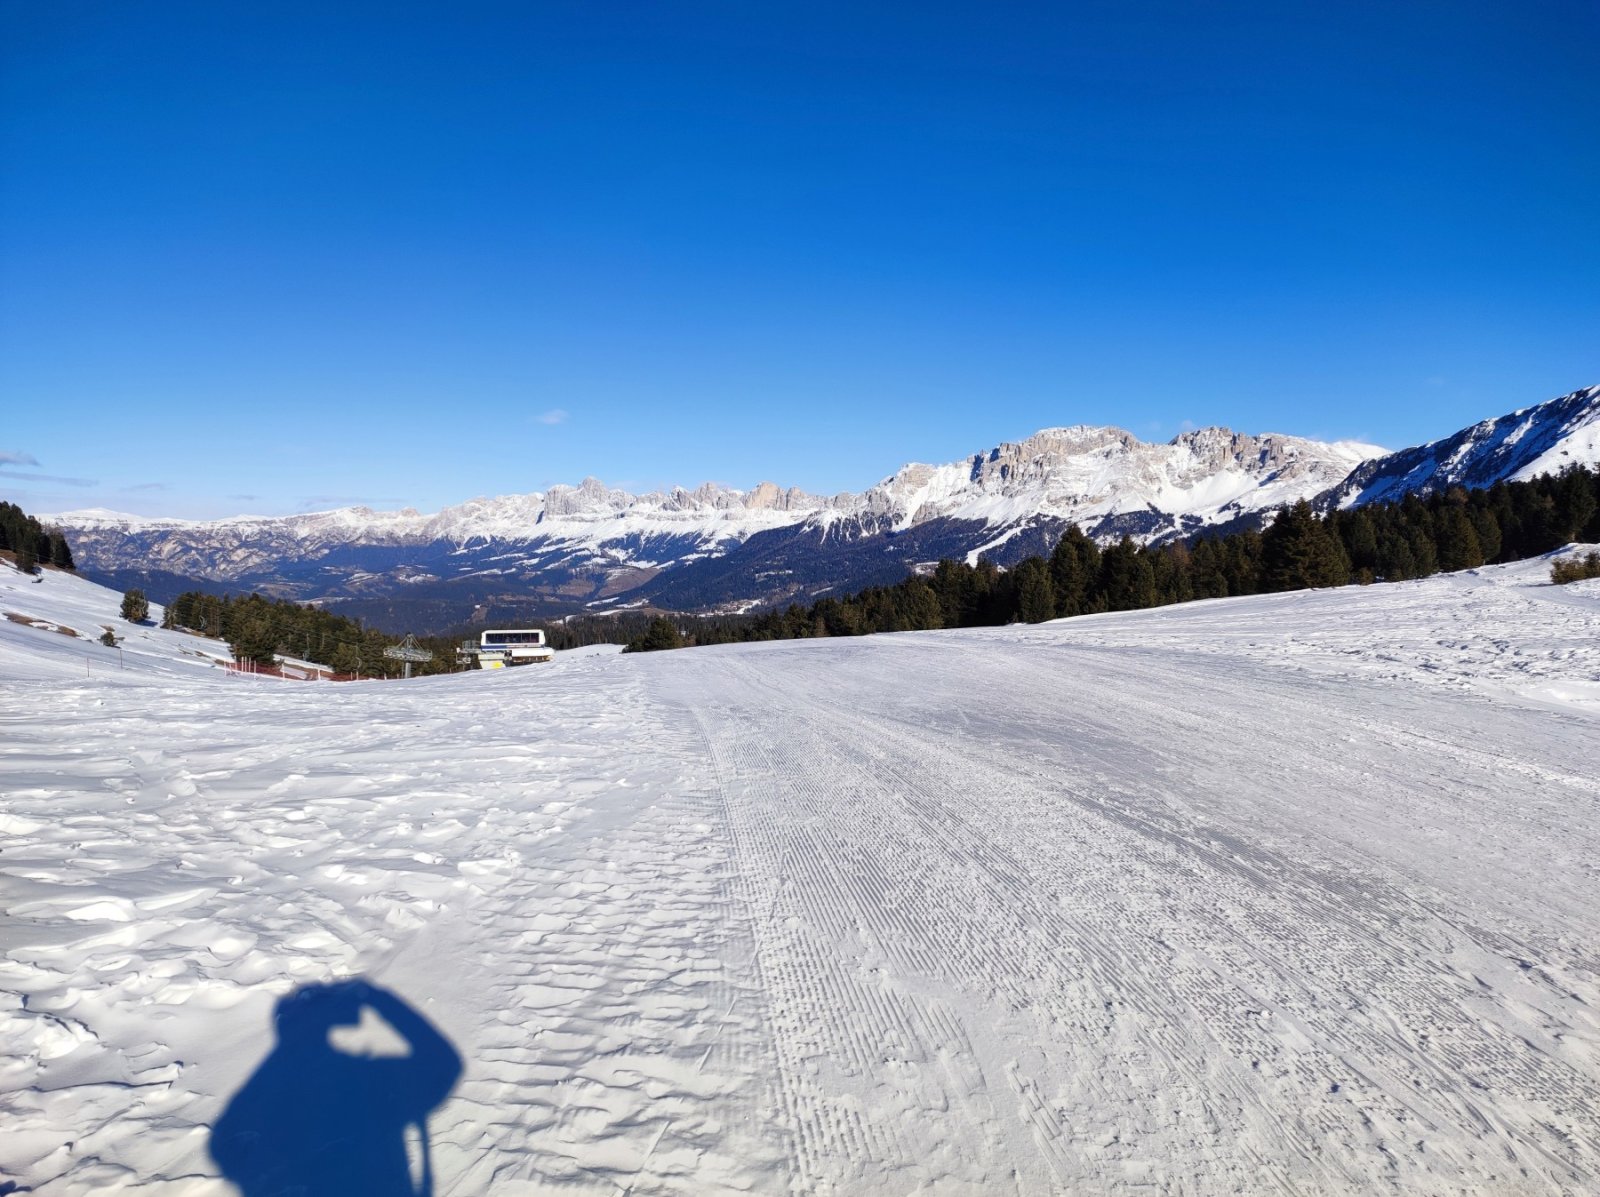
column 555, row 415
column 59, row 481
column 17, row 458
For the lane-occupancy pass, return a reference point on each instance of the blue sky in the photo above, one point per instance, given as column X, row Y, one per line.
column 277, row 257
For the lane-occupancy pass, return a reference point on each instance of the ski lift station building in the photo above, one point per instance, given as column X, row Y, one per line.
column 501, row 648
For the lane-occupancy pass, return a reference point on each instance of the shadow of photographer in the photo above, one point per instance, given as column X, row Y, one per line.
column 317, row 1120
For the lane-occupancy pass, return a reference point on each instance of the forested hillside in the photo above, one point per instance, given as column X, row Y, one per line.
column 30, row 543
column 1381, row 542
column 259, row 629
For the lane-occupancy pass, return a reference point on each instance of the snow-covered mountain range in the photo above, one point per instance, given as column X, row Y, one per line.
column 592, row 547
column 597, row 545
column 1520, row 445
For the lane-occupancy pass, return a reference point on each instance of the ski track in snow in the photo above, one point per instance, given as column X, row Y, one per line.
column 1292, row 894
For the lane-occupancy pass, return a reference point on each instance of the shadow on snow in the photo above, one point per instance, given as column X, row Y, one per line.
column 315, row 1120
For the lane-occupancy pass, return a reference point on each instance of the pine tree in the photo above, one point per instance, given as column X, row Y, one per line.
column 61, row 552
column 952, row 582
column 1487, row 527
column 1395, row 560
column 1074, row 566
column 1242, row 562
column 1127, row 581
column 256, row 642
column 1300, row 551
column 1036, row 592
column 661, row 634
column 917, row 607
column 373, row 661
column 1172, row 565
column 839, row 619
column 1207, row 569
column 1458, row 545
column 1576, row 502
column 1423, row 551
column 135, row 607
column 988, row 595
column 1360, row 537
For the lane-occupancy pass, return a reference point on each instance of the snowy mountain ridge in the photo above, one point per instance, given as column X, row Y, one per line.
column 594, row 547
column 1514, row 447
column 1085, row 473
column 1074, row 472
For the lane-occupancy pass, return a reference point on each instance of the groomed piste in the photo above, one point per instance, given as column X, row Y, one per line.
column 1290, row 894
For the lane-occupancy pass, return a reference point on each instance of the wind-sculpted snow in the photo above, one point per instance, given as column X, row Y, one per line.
column 1288, row 894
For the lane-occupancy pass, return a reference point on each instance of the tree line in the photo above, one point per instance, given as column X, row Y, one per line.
column 1413, row 537
column 259, row 629
column 30, row 542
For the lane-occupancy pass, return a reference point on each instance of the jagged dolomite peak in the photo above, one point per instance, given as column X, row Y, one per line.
column 1084, row 473
column 1079, row 473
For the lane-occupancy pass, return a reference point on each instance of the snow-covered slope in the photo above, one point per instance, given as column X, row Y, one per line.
column 1292, row 893
column 59, row 619
column 1524, row 444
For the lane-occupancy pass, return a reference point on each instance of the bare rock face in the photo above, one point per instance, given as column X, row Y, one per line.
column 590, row 497
column 765, row 497
column 1083, row 474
